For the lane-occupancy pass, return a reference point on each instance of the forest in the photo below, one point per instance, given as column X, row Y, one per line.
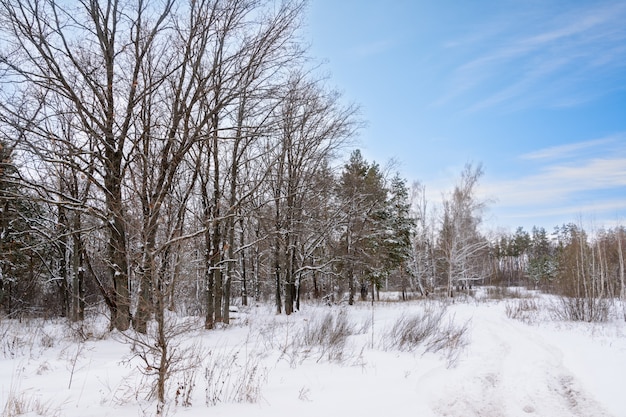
column 161, row 158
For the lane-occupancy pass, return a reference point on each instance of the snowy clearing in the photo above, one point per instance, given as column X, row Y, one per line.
column 478, row 362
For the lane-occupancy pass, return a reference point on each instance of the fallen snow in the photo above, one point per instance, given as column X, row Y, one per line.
column 507, row 368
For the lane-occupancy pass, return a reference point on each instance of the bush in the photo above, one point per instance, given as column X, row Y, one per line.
column 324, row 337
column 410, row 333
column 501, row 293
column 587, row 309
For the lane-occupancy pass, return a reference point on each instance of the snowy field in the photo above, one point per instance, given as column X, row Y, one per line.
column 486, row 358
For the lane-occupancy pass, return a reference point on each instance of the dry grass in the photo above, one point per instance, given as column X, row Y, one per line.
column 524, row 310
column 323, row 337
column 430, row 330
column 233, row 377
column 328, row 335
column 19, row 404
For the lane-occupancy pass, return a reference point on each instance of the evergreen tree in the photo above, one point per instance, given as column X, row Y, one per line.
column 400, row 230
column 363, row 196
column 542, row 264
column 21, row 250
column 7, row 188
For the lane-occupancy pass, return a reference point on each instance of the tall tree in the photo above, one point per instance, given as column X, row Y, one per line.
column 253, row 44
column 400, row 231
column 24, row 255
column 424, row 262
column 363, row 196
column 461, row 245
column 85, row 59
column 313, row 124
column 541, row 263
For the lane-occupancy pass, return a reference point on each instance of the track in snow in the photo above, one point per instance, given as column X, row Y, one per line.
column 512, row 372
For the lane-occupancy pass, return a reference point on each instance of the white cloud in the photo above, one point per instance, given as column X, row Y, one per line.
column 570, row 149
column 546, row 59
column 570, row 211
column 561, row 190
column 559, row 183
column 570, row 183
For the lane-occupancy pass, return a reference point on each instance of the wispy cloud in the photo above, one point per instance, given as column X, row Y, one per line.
column 545, row 58
column 559, row 183
column 571, row 149
column 574, row 179
column 593, row 207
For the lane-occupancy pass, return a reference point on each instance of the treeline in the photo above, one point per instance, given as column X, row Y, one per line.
column 586, row 269
column 167, row 156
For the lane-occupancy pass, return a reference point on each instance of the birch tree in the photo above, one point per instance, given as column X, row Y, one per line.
column 423, row 257
column 460, row 242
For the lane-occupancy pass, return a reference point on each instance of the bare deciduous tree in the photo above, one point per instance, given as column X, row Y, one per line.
column 85, row 60
column 460, row 242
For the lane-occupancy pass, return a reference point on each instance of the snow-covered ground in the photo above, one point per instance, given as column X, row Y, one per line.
column 498, row 366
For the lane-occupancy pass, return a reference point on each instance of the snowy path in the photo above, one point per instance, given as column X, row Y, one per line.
column 510, row 371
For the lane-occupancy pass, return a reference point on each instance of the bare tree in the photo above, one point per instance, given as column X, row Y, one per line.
column 313, row 126
column 460, row 242
column 620, row 251
column 423, row 262
column 85, row 59
column 250, row 48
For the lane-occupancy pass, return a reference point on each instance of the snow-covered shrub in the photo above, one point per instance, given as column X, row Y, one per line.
column 321, row 336
column 450, row 339
column 329, row 334
column 324, row 337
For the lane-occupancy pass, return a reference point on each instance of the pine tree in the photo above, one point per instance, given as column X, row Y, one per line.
column 364, row 198
column 542, row 264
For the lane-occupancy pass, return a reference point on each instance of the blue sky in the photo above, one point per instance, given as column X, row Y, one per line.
column 535, row 90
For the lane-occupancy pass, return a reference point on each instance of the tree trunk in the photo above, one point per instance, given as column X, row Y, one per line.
column 244, row 281
column 620, row 254
column 278, row 301
column 118, row 266
column 78, row 272
column 209, row 321
column 64, row 288
column 351, row 286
